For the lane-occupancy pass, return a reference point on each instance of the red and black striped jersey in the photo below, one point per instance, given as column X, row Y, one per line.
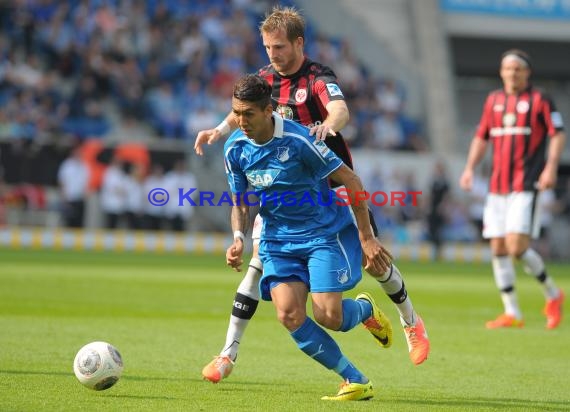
column 518, row 126
column 303, row 97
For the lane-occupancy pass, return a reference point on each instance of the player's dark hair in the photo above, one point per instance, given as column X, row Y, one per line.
column 284, row 18
column 521, row 54
column 253, row 88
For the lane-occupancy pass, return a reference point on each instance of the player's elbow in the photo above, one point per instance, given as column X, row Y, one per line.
column 344, row 115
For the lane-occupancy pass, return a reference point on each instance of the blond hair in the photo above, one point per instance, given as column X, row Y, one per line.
column 284, row 18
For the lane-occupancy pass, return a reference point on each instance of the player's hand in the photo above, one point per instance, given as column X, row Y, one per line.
column 466, row 180
column 547, row 179
column 206, row 137
column 234, row 255
column 376, row 256
column 321, row 131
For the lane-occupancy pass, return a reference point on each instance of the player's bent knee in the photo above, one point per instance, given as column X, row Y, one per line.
column 517, row 250
column 291, row 319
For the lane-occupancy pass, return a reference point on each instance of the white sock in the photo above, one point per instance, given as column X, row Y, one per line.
column 534, row 265
column 393, row 285
column 244, row 306
column 504, row 272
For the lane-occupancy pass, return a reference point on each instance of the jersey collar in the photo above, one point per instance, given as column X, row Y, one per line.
column 278, row 125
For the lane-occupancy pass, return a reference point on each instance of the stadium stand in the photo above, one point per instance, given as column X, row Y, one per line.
column 110, row 73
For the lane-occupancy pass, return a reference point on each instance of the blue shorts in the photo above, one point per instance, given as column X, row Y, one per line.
column 323, row 264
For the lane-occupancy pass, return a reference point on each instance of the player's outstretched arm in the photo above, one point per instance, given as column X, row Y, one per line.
column 206, row 137
column 548, row 177
column 209, row 136
column 240, row 223
column 337, row 118
column 476, row 153
column 377, row 257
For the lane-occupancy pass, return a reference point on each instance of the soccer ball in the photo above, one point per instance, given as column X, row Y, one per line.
column 98, row 365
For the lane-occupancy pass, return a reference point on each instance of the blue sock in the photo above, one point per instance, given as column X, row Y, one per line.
column 319, row 345
column 349, row 372
column 354, row 312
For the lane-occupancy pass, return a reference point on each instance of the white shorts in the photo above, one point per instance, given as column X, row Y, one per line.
column 516, row 212
column 256, row 232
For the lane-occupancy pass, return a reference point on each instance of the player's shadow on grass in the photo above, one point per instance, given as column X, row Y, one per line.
column 249, row 384
column 12, row 372
column 197, row 380
column 164, row 398
column 504, row 403
column 151, row 378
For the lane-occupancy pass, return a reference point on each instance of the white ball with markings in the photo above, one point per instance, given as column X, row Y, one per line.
column 98, row 365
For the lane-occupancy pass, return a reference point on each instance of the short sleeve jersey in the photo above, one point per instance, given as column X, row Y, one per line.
column 303, row 97
column 289, row 175
column 518, row 126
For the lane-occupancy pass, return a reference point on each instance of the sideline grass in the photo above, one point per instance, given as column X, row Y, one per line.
column 167, row 314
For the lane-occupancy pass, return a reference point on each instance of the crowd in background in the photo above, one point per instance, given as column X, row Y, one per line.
column 126, row 70
column 442, row 214
column 125, row 194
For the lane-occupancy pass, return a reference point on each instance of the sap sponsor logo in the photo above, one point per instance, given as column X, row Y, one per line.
column 260, row 179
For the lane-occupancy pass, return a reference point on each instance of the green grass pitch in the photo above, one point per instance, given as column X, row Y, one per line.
column 167, row 314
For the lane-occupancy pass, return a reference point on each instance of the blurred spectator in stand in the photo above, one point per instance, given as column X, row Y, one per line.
column 122, row 56
column 178, row 178
column 436, row 218
column 323, row 50
column 388, row 133
column 73, row 179
column 458, row 227
column 113, row 194
column 564, row 199
column 348, row 72
column 558, row 233
column 128, row 87
column 224, row 78
column 85, row 111
column 200, row 119
column 151, row 77
column 153, row 215
column 477, row 198
column 390, row 96
column 128, row 130
column 166, row 118
column 412, row 203
column 2, row 201
column 393, row 131
column 135, row 196
column 27, row 199
column 192, row 43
